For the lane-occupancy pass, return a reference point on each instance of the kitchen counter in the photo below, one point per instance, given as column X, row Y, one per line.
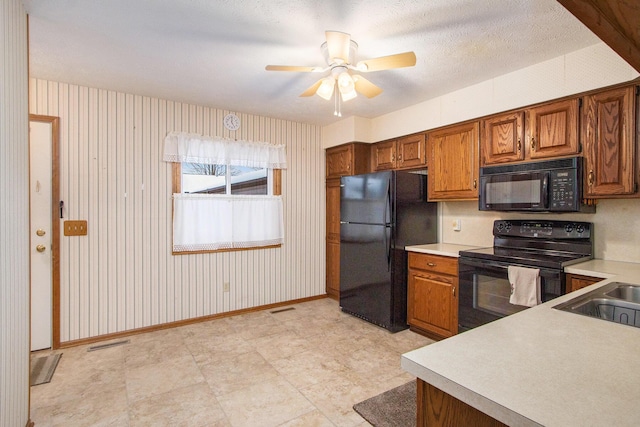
column 444, row 249
column 543, row 366
column 604, row 269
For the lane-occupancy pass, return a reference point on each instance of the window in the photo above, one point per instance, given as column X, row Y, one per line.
column 226, row 193
column 219, row 179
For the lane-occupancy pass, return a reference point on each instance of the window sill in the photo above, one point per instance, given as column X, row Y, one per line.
column 225, row 250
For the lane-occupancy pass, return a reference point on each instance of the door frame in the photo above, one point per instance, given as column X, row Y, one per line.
column 55, row 222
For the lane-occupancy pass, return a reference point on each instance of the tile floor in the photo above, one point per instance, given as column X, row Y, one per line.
column 301, row 367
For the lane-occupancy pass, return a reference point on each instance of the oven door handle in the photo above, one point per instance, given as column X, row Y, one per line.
column 504, row 266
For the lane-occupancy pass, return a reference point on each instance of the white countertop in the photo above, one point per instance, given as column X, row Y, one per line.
column 543, row 366
column 604, row 269
column 445, row 249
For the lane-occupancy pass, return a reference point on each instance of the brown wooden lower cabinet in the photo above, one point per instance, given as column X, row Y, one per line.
column 437, row 408
column 576, row 281
column 432, row 297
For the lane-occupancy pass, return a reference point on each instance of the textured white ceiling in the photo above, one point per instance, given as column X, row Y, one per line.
column 213, row 52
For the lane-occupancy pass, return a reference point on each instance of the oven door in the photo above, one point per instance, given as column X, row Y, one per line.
column 485, row 291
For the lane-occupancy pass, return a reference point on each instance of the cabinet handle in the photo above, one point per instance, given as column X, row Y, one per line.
column 430, row 264
column 454, row 291
column 393, row 157
column 533, row 143
column 591, row 177
column 475, row 184
column 519, row 146
column 400, row 157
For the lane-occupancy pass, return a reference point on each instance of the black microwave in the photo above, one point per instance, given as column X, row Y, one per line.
column 544, row 186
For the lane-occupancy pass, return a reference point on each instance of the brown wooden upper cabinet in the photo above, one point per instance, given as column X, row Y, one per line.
column 403, row 153
column 503, row 138
column 552, row 129
column 453, row 162
column 608, row 134
column 548, row 130
column 347, row 159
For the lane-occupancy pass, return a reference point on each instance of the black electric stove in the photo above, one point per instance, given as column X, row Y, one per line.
column 546, row 245
column 543, row 244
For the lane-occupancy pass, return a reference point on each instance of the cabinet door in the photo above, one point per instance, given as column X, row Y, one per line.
column 384, row 155
column 502, row 138
column 453, row 163
column 411, row 151
column 333, row 270
column 432, row 304
column 339, row 161
column 608, row 137
column 553, row 130
column 333, row 237
column 576, row 281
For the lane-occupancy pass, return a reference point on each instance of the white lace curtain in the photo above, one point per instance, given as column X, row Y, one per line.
column 205, row 222
column 192, row 148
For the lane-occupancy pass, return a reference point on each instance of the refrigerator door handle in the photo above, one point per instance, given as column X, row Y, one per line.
column 387, row 244
column 387, row 209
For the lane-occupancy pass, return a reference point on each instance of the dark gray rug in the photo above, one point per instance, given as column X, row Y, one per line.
column 42, row 369
column 393, row 408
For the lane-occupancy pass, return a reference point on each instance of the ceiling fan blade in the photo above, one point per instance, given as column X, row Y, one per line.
column 399, row 60
column 365, row 87
column 338, row 44
column 312, row 89
column 290, row 68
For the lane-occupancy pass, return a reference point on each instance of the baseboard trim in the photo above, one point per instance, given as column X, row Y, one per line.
column 106, row 337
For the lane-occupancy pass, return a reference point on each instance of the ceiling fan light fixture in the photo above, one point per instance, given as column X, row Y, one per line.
column 362, row 67
column 326, row 88
column 348, row 95
column 347, row 86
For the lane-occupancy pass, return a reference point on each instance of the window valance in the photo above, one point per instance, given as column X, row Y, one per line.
column 193, row 148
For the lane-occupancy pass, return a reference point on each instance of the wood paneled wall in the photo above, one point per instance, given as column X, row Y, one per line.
column 122, row 276
column 14, row 217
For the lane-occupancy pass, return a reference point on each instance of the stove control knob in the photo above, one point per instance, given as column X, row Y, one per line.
column 568, row 228
column 580, row 228
column 508, row 227
column 500, row 226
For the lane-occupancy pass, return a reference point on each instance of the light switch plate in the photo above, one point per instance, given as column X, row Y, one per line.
column 75, row 228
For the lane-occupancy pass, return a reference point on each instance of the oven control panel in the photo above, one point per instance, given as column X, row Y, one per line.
column 542, row 229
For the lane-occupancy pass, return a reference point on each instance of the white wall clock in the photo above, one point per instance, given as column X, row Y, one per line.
column 232, row 122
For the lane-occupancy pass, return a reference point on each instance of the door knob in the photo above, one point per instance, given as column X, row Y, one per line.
column 40, row 232
column 41, row 248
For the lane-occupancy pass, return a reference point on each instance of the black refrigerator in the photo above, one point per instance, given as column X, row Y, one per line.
column 380, row 214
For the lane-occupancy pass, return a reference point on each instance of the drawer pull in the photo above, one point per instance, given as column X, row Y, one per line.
column 430, row 264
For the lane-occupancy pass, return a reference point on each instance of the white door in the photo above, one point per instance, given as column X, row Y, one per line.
column 40, row 153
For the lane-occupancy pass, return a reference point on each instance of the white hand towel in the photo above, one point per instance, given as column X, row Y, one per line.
column 525, row 286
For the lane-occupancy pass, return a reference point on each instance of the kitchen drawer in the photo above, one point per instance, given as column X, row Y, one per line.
column 434, row 263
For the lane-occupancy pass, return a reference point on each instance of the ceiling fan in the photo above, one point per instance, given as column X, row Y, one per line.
column 339, row 52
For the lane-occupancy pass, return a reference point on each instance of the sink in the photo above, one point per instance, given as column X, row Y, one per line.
column 626, row 292
column 616, row 302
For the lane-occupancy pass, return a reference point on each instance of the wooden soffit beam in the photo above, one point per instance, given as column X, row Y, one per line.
column 615, row 22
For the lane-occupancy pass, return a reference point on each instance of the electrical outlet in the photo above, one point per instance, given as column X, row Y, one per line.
column 457, row 225
column 226, row 287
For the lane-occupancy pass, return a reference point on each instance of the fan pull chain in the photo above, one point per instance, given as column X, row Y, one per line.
column 337, row 110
